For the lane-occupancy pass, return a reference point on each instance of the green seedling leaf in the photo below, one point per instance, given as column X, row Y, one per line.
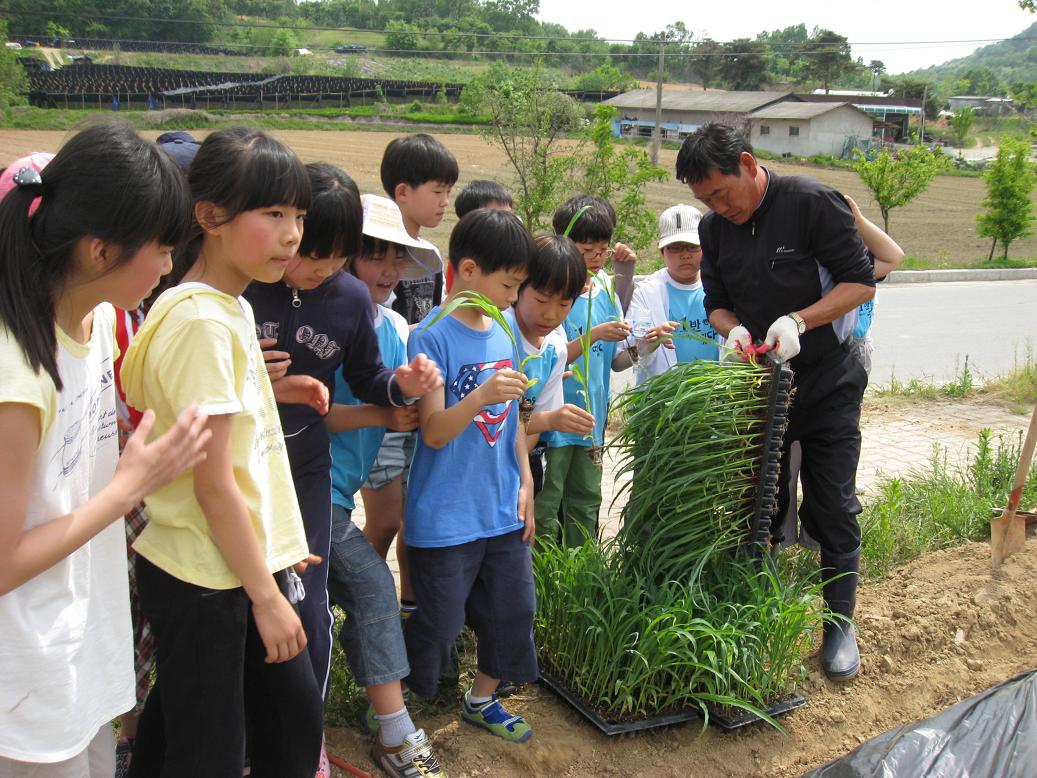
column 574, row 219
column 578, row 374
column 611, row 292
column 466, row 299
column 527, row 360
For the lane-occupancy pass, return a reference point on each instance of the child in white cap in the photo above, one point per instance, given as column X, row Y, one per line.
column 671, row 300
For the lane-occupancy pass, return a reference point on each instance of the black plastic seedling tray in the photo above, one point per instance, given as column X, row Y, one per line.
column 614, row 727
column 744, row 718
column 766, row 503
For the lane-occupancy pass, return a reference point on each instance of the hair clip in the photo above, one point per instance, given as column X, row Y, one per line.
column 28, row 177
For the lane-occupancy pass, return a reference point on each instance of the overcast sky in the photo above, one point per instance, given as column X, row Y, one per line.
column 904, row 35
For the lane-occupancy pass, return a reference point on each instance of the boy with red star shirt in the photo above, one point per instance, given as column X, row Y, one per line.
column 468, row 520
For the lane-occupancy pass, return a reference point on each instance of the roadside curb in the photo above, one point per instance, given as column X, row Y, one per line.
column 977, row 274
column 939, row 276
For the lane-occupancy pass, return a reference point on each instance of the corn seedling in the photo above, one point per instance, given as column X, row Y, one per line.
column 692, row 444
column 581, row 368
column 467, row 299
column 673, row 614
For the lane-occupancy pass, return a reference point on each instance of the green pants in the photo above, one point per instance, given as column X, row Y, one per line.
column 567, row 507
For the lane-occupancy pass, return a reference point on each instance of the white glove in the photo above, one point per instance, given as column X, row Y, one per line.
column 783, row 337
column 738, row 337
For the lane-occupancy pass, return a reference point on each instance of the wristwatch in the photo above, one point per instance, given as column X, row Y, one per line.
column 800, row 324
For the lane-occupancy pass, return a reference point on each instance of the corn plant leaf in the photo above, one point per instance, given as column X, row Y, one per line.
column 574, row 219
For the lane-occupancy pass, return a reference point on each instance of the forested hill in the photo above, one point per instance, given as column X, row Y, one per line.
column 493, row 30
column 1008, row 67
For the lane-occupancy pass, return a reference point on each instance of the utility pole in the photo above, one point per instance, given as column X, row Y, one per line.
column 657, row 131
column 921, row 121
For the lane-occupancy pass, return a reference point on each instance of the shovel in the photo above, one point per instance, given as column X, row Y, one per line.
column 1008, row 532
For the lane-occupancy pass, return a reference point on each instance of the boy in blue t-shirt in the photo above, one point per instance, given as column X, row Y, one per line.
column 567, row 507
column 671, row 300
column 469, row 540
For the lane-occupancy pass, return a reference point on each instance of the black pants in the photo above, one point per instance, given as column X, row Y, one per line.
column 825, row 418
column 486, row 583
column 309, row 454
column 211, row 675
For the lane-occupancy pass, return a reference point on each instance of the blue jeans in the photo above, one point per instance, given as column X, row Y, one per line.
column 359, row 582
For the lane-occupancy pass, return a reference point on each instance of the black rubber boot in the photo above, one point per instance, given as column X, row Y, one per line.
column 839, row 655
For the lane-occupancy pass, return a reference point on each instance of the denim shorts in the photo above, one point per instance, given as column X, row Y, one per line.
column 360, row 582
column 392, row 460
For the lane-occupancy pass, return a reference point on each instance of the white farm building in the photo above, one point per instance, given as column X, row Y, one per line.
column 805, row 129
column 778, row 122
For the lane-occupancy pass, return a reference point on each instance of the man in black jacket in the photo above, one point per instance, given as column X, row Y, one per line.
column 782, row 262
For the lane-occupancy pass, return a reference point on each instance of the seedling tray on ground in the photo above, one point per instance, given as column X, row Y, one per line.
column 744, row 718
column 614, row 727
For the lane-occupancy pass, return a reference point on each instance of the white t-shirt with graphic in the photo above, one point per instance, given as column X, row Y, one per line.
column 66, row 663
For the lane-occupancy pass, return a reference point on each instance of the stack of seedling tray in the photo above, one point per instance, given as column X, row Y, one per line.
column 678, row 616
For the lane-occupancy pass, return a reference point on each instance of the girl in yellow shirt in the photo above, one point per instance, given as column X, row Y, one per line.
column 215, row 563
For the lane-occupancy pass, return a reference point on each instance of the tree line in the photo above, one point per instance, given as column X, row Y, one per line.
column 508, row 30
column 504, row 29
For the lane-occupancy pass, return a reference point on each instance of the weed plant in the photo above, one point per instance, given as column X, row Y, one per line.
column 1019, row 385
column 962, row 385
column 941, row 504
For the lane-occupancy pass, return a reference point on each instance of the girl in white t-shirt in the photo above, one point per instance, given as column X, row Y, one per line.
column 94, row 228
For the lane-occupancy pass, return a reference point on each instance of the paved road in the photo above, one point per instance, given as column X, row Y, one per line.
column 925, row 330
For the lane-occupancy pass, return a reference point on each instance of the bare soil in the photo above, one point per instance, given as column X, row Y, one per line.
column 939, row 226
column 936, row 631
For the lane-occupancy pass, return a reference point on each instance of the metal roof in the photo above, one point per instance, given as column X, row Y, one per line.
column 800, row 110
column 690, row 100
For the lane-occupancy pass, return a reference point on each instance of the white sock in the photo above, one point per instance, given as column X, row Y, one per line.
column 394, row 727
column 475, row 702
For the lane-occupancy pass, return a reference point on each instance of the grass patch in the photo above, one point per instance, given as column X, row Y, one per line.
column 962, row 385
column 1018, row 387
column 942, row 263
column 32, row 118
column 941, row 504
column 925, row 263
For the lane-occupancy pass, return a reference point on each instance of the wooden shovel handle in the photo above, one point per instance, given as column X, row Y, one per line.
column 1025, row 460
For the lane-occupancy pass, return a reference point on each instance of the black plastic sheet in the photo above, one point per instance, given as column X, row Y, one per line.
column 991, row 735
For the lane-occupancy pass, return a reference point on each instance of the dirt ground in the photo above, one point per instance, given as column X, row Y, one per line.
column 939, row 226
column 938, row 630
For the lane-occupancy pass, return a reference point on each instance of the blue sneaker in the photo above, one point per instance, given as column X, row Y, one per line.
column 493, row 717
